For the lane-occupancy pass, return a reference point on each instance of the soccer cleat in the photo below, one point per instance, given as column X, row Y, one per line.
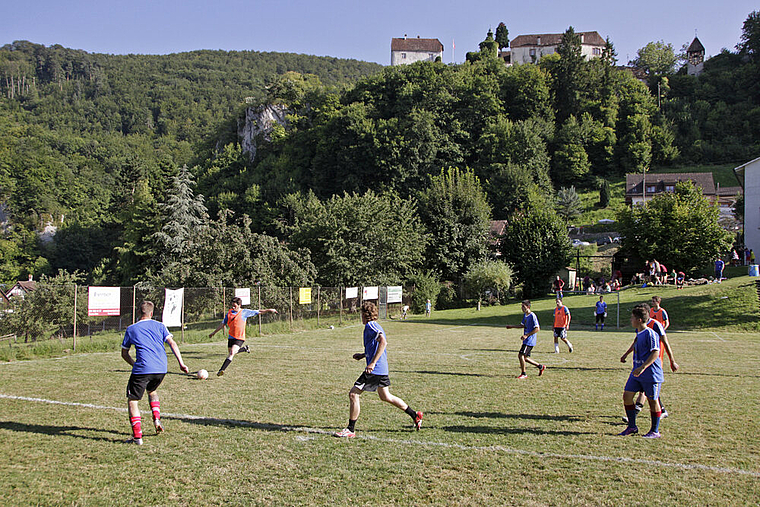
column 664, row 414
column 347, row 433
column 418, row 421
column 158, row 425
column 541, row 370
column 522, row 376
column 133, row 440
column 652, row 434
column 570, row 347
column 220, row 373
column 628, row 431
column 245, row 349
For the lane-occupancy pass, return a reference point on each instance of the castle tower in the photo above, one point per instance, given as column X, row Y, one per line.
column 695, row 58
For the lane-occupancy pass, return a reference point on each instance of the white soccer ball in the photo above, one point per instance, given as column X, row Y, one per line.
column 332, row 327
column 202, row 374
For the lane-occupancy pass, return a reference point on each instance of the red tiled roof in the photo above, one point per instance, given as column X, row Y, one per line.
column 417, row 44
column 553, row 39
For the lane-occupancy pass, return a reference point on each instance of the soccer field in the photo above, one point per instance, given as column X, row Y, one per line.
column 261, row 435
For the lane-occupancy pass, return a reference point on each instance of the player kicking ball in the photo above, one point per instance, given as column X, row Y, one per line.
column 375, row 376
column 647, row 375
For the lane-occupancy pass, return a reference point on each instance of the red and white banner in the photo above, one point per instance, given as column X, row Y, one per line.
column 103, row 301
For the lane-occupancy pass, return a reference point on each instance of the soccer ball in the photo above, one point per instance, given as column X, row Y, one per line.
column 202, row 375
column 332, row 327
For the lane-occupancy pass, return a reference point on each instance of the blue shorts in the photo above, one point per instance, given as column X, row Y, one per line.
column 650, row 389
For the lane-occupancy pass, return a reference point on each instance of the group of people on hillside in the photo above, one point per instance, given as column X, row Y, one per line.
column 742, row 256
column 601, row 285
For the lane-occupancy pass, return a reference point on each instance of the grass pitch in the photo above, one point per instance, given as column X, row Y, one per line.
column 260, row 435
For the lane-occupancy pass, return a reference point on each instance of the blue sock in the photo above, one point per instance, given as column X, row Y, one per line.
column 596, row 327
column 655, row 422
column 630, row 411
column 602, row 327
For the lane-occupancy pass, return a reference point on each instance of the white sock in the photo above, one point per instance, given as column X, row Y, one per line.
column 556, row 347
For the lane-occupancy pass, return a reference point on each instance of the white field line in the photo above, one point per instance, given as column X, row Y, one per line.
column 421, row 443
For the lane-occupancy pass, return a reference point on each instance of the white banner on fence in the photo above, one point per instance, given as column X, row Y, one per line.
column 172, row 316
column 245, row 295
column 370, row 293
column 352, row 292
column 103, row 301
column 395, row 294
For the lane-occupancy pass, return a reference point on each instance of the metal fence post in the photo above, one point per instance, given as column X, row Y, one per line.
column 340, row 298
column 74, row 348
column 319, row 305
column 290, row 312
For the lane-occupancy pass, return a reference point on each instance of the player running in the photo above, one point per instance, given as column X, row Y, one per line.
column 149, row 368
column 375, row 376
column 235, row 321
column 530, row 338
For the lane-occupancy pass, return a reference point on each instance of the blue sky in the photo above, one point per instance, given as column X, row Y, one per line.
column 357, row 29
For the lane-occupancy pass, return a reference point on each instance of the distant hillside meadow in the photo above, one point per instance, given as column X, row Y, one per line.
column 135, row 166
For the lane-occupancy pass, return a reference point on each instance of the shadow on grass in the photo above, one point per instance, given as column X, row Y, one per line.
column 511, row 431
column 534, row 417
column 452, row 373
column 69, row 431
column 586, row 368
column 190, row 375
column 215, row 421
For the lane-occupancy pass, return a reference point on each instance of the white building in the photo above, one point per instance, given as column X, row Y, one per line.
column 749, row 176
column 530, row 48
column 405, row 51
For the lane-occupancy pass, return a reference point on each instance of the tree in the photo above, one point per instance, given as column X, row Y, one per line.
column 455, row 211
column 680, row 229
column 750, row 38
column 604, row 194
column 488, row 275
column 657, row 59
column 502, row 36
column 536, row 244
column 569, row 76
column 568, row 204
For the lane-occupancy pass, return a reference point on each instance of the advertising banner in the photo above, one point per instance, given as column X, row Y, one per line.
column 395, row 294
column 370, row 293
column 245, row 295
column 352, row 292
column 103, row 301
column 304, row 296
column 172, row 316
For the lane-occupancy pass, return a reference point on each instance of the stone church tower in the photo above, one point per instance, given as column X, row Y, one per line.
column 695, row 58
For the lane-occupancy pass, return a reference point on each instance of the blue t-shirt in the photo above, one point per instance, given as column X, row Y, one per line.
column 530, row 322
column 148, row 337
column 719, row 264
column 647, row 341
column 371, row 331
column 245, row 314
column 601, row 307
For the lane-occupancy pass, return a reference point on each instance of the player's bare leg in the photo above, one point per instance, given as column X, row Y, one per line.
column 385, row 395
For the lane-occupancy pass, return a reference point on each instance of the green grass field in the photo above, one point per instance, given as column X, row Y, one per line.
column 261, row 434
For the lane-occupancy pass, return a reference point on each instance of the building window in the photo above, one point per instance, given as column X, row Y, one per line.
column 403, row 55
column 651, row 189
column 670, row 188
column 532, row 52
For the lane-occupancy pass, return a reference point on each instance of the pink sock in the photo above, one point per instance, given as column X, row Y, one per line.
column 155, row 406
column 136, row 426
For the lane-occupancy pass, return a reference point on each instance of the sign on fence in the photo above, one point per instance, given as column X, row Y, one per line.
column 304, row 296
column 352, row 292
column 245, row 295
column 370, row 293
column 395, row 294
column 103, row 301
column 172, row 316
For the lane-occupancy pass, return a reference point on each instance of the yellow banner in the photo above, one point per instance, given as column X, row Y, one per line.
column 304, row 296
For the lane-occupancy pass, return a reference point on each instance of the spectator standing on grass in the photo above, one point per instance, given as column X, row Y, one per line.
column 751, row 256
column 375, row 375
column 600, row 313
column 561, row 325
column 428, row 308
column 235, row 321
column 529, row 339
column 746, row 255
column 646, row 376
column 734, row 257
column 148, row 368
column 719, row 267
column 558, row 285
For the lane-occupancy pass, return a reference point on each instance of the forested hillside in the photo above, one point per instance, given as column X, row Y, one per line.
column 374, row 175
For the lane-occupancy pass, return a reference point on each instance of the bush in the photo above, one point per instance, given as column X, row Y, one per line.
column 426, row 286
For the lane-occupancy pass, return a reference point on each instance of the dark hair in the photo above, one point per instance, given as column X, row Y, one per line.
column 526, row 302
column 369, row 310
column 656, row 298
column 239, row 301
column 641, row 312
column 146, row 307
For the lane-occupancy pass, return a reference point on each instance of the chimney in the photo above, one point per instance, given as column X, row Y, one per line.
column 581, row 38
column 539, row 41
column 418, row 36
column 31, row 278
column 404, row 36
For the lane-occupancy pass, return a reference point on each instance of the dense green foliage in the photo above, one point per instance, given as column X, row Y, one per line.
column 488, row 275
column 680, row 229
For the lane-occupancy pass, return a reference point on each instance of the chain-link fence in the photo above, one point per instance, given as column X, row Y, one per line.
column 64, row 311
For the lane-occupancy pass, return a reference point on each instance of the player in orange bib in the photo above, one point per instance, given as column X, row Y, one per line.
column 561, row 325
column 235, row 321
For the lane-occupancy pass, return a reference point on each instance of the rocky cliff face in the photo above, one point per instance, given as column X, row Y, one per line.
column 258, row 125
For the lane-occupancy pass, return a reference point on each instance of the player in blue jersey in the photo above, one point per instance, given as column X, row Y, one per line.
column 601, row 313
column 719, row 266
column 235, row 321
column 529, row 339
column 148, row 368
column 375, row 376
column 647, row 375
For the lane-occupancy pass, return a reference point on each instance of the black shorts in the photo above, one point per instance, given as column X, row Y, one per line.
column 370, row 382
column 525, row 350
column 560, row 332
column 234, row 341
column 600, row 318
column 139, row 383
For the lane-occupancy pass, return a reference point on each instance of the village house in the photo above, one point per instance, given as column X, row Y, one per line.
column 748, row 175
column 22, row 288
column 409, row 50
column 530, row 48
